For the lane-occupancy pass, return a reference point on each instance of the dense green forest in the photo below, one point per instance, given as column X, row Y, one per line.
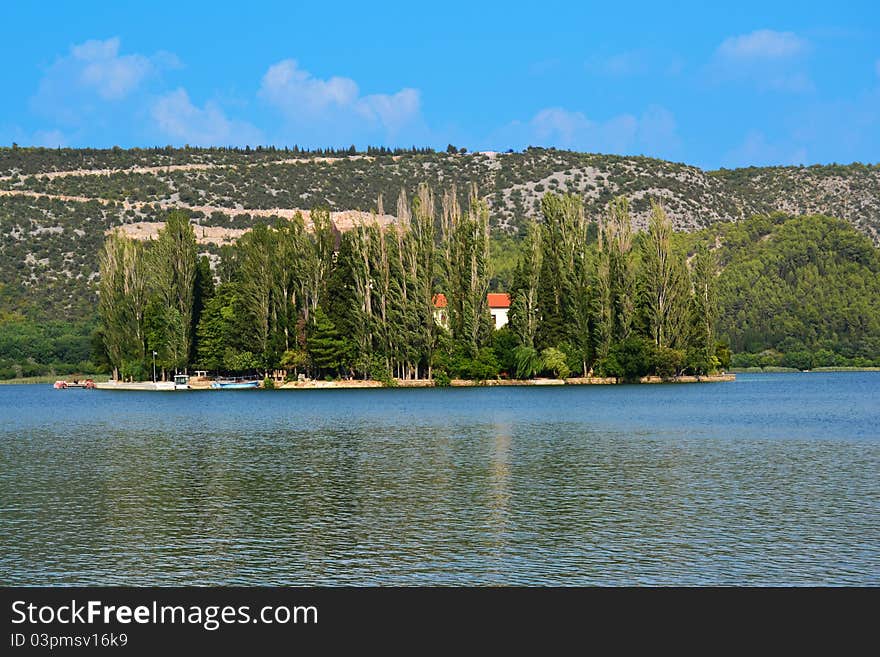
column 361, row 304
column 791, row 291
column 797, row 292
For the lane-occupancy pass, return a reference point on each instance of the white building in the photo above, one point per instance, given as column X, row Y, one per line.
column 499, row 306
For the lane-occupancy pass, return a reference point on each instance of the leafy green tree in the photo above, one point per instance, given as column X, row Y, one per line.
column 504, row 342
column 629, row 359
column 122, row 301
column 202, row 293
column 615, row 299
column 217, row 328
column 668, row 362
column 555, row 361
column 296, row 360
column 565, row 237
column 255, row 290
column 704, row 310
column 665, row 286
column 239, row 361
column 327, row 349
column 174, row 267
column 165, row 336
column 524, row 312
column 466, row 271
column 528, row 361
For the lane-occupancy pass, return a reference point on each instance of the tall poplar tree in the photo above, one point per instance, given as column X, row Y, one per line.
column 616, row 274
column 123, row 295
column 704, row 309
column 524, row 311
column 465, row 249
column 174, row 268
column 665, row 286
column 255, row 289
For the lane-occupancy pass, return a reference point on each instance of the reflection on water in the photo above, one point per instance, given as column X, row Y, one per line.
column 769, row 480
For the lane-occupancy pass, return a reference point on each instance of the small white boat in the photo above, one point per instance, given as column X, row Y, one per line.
column 234, row 384
column 181, row 382
column 136, row 385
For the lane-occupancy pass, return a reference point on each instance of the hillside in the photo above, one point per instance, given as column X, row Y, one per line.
column 56, row 205
column 235, row 181
column 798, row 292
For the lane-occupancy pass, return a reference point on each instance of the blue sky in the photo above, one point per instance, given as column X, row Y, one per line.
column 729, row 85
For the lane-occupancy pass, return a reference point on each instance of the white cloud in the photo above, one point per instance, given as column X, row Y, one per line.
column 652, row 133
column 334, row 108
column 293, row 89
column 112, row 76
column 178, row 119
column 390, row 110
column 75, row 86
column 763, row 44
column 764, row 59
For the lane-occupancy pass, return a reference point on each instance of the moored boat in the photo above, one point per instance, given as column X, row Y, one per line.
column 234, row 384
column 136, row 385
column 61, row 384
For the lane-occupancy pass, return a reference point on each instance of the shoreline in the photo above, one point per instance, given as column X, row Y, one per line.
column 464, row 383
column 791, row 370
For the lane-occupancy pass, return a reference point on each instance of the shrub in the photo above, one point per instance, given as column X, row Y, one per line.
column 555, row 361
column 528, row 362
column 628, row 359
column 441, row 379
column 670, row 362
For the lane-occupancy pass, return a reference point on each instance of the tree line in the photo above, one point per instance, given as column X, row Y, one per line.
column 598, row 299
column 587, row 297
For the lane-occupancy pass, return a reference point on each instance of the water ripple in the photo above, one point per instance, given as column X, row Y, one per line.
column 770, row 480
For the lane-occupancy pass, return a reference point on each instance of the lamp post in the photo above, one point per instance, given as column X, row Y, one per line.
column 154, row 367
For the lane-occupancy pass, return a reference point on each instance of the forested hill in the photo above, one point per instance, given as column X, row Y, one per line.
column 56, row 206
column 798, row 292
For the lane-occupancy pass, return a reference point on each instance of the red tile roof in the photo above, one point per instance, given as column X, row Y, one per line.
column 495, row 299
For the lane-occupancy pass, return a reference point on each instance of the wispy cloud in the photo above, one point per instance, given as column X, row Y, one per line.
column 102, row 68
column 92, row 73
column 653, row 132
column 183, row 122
column 635, row 62
column 763, row 44
column 335, row 106
column 765, row 59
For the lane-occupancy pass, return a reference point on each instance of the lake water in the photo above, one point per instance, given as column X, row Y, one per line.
column 772, row 479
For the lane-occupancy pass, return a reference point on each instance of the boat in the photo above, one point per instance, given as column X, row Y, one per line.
column 136, row 385
column 181, row 382
column 235, row 384
column 88, row 384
